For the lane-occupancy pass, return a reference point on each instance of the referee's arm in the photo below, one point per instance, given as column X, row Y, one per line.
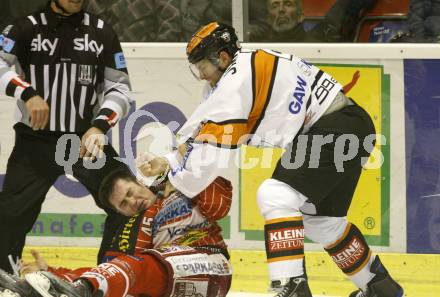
column 13, row 46
column 114, row 98
column 115, row 102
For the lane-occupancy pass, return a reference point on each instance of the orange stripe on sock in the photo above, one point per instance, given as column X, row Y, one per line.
column 362, row 265
column 347, row 229
column 284, row 220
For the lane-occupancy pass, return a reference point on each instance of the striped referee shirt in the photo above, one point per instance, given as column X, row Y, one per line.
column 74, row 63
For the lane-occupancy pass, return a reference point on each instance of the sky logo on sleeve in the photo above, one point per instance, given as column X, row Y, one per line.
column 120, row 61
column 7, row 29
column 1, row 40
column 8, row 44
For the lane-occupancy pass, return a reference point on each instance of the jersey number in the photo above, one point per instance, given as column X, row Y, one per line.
column 323, row 90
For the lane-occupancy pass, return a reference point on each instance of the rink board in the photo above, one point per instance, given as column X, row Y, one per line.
column 379, row 204
column 387, row 205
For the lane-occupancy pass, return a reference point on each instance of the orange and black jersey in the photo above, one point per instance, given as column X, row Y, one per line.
column 264, row 99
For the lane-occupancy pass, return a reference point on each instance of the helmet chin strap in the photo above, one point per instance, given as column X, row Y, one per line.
column 58, row 5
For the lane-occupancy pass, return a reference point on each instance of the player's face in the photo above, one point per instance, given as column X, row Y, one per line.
column 208, row 71
column 72, row 6
column 283, row 15
column 130, row 197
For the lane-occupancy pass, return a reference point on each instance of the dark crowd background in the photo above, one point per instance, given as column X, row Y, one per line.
column 268, row 20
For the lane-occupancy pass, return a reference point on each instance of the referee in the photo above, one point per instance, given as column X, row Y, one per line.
column 70, row 78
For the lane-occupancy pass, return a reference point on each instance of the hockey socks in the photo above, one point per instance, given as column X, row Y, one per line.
column 353, row 256
column 284, row 238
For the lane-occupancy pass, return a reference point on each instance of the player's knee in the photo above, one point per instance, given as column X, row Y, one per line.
column 325, row 230
column 273, row 195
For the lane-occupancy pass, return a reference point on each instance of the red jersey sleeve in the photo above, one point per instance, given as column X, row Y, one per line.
column 215, row 201
column 68, row 274
column 144, row 239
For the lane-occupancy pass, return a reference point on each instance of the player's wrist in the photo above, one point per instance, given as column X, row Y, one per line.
column 160, row 182
column 102, row 125
column 28, row 93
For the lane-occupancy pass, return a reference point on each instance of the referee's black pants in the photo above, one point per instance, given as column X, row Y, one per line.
column 30, row 173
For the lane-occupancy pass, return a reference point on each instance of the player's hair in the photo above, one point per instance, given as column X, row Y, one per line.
column 108, row 184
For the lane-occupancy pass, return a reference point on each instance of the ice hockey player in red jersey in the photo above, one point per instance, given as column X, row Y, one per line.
column 169, row 246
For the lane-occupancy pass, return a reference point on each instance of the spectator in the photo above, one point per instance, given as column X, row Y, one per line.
column 285, row 22
column 141, row 20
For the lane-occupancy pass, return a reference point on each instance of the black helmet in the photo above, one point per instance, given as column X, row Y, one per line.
column 211, row 39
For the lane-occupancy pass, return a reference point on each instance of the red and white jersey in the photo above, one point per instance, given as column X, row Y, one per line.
column 263, row 99
column 177, row 220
